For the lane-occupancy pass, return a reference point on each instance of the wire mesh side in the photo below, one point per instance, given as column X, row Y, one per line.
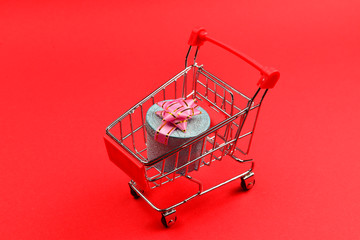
column 228, row 101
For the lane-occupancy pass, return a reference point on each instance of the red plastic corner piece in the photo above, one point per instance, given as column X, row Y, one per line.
column 269, row 78
column 197, row 37
column 126, row 162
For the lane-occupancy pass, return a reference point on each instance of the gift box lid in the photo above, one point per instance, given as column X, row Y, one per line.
column 196, row 125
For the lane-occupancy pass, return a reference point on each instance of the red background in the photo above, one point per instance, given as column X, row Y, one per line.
column 69, row 68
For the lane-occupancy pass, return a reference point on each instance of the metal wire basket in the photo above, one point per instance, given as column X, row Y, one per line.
column 233, row 121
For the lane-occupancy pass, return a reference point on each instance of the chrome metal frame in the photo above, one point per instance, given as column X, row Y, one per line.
column 220, row 140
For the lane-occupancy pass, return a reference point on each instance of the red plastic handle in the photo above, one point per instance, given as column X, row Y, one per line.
column 270, row 76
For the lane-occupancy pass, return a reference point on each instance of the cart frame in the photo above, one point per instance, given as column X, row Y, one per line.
column 126, row 137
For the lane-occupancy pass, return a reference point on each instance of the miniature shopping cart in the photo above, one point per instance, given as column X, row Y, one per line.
column 230, row 133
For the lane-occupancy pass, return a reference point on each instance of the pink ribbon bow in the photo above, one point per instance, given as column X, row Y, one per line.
column 176, row 113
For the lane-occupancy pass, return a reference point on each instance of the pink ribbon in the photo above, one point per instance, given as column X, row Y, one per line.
column 175, row 114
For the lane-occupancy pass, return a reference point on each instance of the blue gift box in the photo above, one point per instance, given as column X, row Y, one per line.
column 196, row 125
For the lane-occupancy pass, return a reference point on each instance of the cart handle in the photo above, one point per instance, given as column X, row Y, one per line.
column 269, row 77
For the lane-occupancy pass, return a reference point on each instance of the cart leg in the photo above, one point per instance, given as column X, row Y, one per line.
column 248, row 181
column 168, row 218
column 133, row 192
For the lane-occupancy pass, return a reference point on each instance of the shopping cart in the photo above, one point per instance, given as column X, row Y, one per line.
column 230, row 133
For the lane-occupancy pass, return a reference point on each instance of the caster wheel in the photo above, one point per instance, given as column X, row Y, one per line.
column 248, row 181
column 248, row 186
column 134, row 193
column 169, row 218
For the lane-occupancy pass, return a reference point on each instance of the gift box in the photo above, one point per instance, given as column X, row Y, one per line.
column 196, row 125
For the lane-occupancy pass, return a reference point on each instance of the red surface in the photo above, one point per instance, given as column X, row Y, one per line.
column 69, row 68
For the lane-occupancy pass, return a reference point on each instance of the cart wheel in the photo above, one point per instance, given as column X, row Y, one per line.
column 248, row 181
column 134, row 193
column 169, row 218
